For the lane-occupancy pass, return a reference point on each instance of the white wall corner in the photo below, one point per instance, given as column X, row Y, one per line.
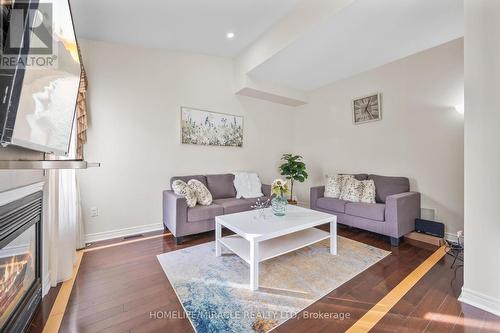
column 117, row 233
column 481, row 301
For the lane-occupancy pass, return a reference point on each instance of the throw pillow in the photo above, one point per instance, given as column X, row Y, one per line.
column 203, row 195
column 335, row 184
column 247, row 185
column 368, row 195
column 181, row 188
column 352, row 191
column 358, row 191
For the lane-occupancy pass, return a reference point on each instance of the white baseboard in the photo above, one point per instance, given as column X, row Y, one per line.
column 117, row 233
column 451, row 237
column 479, row 300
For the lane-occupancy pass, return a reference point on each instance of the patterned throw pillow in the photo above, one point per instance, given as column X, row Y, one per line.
column 358, row 191
column 181, row 188
column 368, row 195
column 352, row 190
column 335, row 184
column 203, row 195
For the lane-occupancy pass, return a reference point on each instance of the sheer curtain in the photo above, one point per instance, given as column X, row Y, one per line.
column 65, row 220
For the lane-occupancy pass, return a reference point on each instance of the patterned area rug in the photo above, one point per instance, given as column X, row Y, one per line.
column 214, row 290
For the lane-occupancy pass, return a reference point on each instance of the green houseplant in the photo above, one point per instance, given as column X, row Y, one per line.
column 294, row 170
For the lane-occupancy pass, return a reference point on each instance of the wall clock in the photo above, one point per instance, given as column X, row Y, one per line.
column 366, row 108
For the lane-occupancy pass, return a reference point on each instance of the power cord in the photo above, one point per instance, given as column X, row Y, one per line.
column 455, row 250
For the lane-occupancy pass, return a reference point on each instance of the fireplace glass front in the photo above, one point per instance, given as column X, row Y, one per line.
column 17, row 271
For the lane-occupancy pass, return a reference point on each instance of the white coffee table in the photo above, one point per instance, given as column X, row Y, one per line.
column 258, row 239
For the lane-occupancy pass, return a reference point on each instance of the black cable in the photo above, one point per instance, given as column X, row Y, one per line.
column 454, row 250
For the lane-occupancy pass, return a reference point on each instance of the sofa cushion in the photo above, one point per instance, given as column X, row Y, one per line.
column 385, row 186
column 335, row 205
column 221, row 186
column 358, row 176
column 367, row 210
column 361, row 176
column 233, row 205
column 185, row 179
column 201, row 213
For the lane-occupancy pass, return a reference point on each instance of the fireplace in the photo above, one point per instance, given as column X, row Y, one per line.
column 20, row 261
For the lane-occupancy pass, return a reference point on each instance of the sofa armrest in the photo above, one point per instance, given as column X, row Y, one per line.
column 316, row 193
column 174, row 212
column 266, row 190
column 401, row 210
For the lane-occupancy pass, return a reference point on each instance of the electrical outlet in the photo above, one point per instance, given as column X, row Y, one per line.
column 94, row 212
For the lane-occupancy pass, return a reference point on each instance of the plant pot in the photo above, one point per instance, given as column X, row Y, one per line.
column 278, row 205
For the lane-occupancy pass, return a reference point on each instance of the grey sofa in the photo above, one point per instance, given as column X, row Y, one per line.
column 182, row 220
column 393, row 214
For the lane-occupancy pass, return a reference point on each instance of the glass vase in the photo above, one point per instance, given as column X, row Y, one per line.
column 278, row 205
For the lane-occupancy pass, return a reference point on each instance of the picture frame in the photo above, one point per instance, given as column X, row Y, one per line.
column 209, row 128
column 367, row 108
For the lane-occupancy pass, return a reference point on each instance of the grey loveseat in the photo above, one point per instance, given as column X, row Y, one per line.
column 182, row 220
column 393, row 214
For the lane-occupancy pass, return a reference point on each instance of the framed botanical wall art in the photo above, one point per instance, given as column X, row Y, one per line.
column 366, row 109
column 202, row 127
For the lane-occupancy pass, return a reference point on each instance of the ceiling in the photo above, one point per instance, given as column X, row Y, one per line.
column 188, row 25
column 364, row 35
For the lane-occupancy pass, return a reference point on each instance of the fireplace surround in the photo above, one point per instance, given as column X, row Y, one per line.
column 20, row 259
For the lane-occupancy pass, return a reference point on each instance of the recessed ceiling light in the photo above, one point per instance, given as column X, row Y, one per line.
column 230, row 35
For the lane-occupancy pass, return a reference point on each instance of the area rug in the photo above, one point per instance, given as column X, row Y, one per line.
column 214, row 290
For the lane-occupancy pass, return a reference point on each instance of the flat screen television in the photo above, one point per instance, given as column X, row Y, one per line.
column 39, row 75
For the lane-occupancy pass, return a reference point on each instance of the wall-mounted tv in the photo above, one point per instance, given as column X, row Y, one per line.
column 39, row 75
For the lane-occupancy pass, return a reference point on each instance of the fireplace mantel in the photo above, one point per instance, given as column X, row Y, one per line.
column 19, row 192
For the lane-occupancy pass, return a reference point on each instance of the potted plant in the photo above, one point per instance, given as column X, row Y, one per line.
column 294, row 170
column 279, row 188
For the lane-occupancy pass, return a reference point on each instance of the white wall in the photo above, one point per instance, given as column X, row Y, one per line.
column 135, row 96
column 482, row 156
column 420, row 135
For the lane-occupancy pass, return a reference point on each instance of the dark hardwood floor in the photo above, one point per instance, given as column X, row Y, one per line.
column 43, row 310
column 118, row 287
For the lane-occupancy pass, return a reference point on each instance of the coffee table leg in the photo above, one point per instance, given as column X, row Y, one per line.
column 333, row 237
column 218, row 234
column 254, row 265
